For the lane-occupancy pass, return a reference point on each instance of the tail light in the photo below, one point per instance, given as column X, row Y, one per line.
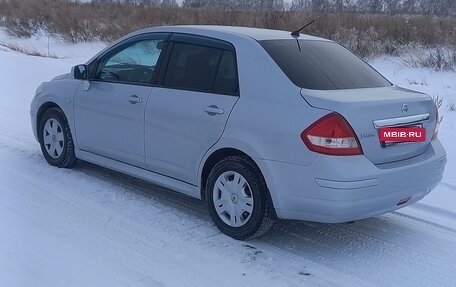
column 437, row 123
column 332, row 135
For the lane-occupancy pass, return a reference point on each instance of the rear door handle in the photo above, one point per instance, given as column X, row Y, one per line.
column 134, row 99
column 213, row 110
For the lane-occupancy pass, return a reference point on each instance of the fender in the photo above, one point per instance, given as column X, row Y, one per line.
column 53, row 94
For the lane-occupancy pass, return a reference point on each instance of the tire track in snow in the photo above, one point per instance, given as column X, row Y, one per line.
column 450, row 186
column 346, row 252
column 189, row 229
column 367, row 255
column 185, row 205
column 433, row 225
column 361, row 244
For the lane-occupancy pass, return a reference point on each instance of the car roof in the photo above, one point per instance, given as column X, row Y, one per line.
column 255, row 33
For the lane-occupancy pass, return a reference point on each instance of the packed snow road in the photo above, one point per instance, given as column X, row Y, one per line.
column 89, row 226
column 93, row 227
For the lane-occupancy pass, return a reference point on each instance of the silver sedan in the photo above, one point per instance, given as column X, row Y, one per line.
column 261, row 124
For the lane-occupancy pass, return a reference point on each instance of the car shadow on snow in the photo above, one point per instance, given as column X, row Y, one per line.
column 364, row 243
column 373, row 227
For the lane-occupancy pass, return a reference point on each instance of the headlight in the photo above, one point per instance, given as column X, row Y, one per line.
column 39, row 89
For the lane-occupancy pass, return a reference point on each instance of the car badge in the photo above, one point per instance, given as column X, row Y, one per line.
column 405, row 108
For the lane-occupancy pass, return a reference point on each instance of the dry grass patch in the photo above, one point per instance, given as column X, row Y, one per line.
column 27, row 51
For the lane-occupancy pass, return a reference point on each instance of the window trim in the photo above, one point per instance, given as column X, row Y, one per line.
column 199, row 40
column 123, row 45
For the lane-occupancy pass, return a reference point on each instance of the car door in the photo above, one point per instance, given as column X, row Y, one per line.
column 109, row 112
column 188, row 110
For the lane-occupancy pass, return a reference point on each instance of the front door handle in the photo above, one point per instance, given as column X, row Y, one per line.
column 213, row 110
column 134, row 99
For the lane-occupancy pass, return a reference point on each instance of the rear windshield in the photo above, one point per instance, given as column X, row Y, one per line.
column 322, row 65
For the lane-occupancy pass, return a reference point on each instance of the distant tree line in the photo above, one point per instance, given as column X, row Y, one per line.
column 367, row 34
column 391, row 7
column 136, row 2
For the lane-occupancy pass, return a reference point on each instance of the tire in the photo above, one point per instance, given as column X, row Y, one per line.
column 55, row 138
column 226, row 178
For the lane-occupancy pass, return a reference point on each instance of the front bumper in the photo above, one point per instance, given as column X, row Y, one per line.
column 338, row 189
column 33, row 115
column 33, row 123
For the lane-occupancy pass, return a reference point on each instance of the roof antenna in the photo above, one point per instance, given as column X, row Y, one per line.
column 295, row 34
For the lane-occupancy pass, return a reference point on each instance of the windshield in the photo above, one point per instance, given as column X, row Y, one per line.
column 322, row 65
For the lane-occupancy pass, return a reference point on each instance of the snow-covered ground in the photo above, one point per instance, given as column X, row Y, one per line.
column 89, row 226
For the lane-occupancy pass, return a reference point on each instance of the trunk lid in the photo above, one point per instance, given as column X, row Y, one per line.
column 366, row 110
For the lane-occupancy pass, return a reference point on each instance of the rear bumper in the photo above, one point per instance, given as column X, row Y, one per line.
column 339, row 189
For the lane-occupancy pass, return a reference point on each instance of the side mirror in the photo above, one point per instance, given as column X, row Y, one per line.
column 79, row 72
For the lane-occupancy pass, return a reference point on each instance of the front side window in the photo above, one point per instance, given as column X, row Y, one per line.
column 201, row 68
column 322, row 65
column 134, row 63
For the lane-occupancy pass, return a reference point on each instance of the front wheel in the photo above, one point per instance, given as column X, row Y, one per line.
column 237, row 198
column 55, row 138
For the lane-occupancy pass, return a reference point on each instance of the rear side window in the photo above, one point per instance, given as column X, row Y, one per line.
column 226, row 80
column 201, row 68
column 322, row 65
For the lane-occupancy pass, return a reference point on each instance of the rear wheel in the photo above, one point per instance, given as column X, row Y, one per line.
column 55, row 138
column 237, row 198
